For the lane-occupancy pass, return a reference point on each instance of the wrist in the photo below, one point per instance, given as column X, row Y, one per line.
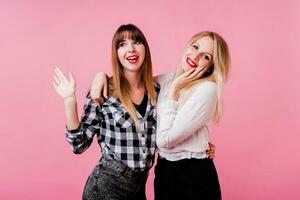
column 100, row 75
column 69, row 100
column 173, row 95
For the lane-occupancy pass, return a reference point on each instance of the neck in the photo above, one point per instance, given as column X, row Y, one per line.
column 134, row 79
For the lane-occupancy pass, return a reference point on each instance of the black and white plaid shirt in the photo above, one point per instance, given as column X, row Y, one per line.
column 117, row 134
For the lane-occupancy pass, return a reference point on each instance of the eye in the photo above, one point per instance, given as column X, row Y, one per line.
column 138, row 42
column 206, row 57
column 195, row 47
column 121, row 44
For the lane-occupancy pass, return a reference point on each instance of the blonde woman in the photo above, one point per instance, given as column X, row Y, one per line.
column 187, row 105
column 189, row 100
column 124, row 123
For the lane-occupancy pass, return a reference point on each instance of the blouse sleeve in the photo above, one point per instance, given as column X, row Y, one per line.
column 161, row 79
column 175, row 126
column 81, row 138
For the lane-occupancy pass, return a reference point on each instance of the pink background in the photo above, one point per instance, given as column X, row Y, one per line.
column 257, row 141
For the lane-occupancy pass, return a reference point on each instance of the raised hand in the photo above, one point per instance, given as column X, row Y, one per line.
column 64, row 87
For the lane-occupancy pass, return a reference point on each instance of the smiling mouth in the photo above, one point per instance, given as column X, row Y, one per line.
column 191, row 63
column 132, row 59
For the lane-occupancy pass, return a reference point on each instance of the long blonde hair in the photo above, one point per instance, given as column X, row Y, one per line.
column 217, row 72
column 118, row 84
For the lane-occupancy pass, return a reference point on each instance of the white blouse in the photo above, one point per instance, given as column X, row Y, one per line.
column 184, row 133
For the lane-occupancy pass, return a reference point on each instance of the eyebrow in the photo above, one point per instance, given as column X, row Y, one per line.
column 205, row 51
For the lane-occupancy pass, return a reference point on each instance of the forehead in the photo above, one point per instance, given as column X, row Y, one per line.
column 205, row 44
column 129, row 35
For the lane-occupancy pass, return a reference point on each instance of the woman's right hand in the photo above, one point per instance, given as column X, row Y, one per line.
column 184, row 80
column 211, row 152
column 99, row 88
column 64, row 87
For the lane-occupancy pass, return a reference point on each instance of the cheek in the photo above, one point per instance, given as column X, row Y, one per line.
column 120, row 54
column 142, row 53
column 142, row 58
column 187, row 52
column 203, row 63
column 184, row 56
column 142, row 50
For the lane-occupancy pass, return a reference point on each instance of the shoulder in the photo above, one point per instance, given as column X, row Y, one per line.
column 164, row 78
column 209, row 85
column 205, row 88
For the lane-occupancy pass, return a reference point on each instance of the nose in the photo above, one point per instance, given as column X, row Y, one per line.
column 131, row 48
column 198, row 55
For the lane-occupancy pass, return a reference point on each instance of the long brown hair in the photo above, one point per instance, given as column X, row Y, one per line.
column 118, row 84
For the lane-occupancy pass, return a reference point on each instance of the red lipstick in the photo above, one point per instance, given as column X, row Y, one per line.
column 191, row 63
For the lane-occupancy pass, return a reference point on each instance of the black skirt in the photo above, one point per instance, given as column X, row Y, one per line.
column 186, row 179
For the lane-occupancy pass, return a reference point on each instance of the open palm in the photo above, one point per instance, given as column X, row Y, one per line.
column 64, row 87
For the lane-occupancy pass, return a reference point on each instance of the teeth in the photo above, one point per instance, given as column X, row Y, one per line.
column 132, row 58
column 191, row 63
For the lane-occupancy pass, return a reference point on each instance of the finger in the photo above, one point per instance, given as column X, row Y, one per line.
column 57, row 81
column 189, row 72
column 197, row 73
column 71, row 77
column 60, row 74
column 194, row 74
column 211, row 155
column 97, row 92
column 93, row 93
column 55, row 86
column 210, row 151
column 57, row 75
column 105, row 89
column 211, row 145
column 98, row 100
column 101, row 101
column 200, row 72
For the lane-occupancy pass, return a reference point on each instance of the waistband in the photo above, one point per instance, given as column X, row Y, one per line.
column 164, row 160
column 123, row 169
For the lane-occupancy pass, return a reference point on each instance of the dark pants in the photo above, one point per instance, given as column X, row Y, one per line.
column 112, row 180
column 186, row 179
